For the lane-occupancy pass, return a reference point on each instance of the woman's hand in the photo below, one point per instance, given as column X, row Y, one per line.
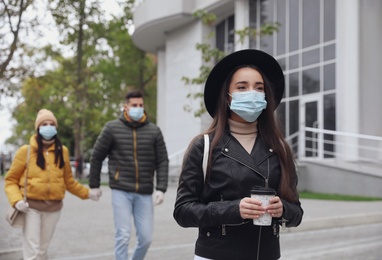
column 95, row 194
column 251, row 208
column 275, row 208
column 22, row 206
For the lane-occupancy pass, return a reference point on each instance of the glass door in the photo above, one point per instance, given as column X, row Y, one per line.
column 310, row 121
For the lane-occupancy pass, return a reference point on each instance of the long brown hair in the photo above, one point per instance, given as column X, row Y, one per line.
column 269, row 128
column 58, row 153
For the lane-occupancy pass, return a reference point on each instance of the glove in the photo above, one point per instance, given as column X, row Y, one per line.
column 158, row 197
column 22, row 206
column 95, row 194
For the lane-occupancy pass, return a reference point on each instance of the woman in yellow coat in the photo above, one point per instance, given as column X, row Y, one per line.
column 49, row 176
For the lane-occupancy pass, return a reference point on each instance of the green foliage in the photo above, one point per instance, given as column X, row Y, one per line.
column 325, row 196
column 17, row 18
column 266, row 29
column 86, row 182
column 206, row 17
column 85, row 86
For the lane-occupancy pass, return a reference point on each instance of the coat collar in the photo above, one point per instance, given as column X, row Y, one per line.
column 233, row 149
column 33, row 143
column 133, row 124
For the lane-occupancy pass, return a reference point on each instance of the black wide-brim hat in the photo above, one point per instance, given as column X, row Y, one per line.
column 265, row 62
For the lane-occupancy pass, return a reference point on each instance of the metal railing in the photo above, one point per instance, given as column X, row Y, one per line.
column 177, row 157
column 316, row 143
column 312, row 143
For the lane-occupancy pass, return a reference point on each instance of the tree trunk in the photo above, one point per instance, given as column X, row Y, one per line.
column 80, row 93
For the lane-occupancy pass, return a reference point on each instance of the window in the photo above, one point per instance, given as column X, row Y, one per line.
column 310, row 23
column 294, row 22
column 225, row 35
column 311, row 81
column 305, row 46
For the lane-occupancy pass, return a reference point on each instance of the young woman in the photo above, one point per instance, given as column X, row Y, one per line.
column 49, row 176
column 247, row 150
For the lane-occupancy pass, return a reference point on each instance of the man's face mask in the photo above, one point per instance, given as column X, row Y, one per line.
column 136, row 113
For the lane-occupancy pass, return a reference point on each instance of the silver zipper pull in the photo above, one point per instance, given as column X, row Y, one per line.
column 275, row 232
column 283, row 223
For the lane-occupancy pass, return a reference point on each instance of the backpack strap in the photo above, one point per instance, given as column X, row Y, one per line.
column 205, row 154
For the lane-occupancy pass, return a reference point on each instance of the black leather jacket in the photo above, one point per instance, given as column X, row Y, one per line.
column 213, row 207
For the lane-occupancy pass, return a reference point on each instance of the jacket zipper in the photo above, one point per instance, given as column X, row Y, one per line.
column 116, row 176
column 135, row 159
column 223, row 226
column 258, row 245
column 266, row 179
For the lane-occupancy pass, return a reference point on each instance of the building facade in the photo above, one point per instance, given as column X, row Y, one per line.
column 329, row 51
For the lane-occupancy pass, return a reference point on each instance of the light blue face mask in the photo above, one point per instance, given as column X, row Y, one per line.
column 136, row 113
column 47, row 131
column 248, row 105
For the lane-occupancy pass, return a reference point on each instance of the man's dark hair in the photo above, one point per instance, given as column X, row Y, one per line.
column 133, row 94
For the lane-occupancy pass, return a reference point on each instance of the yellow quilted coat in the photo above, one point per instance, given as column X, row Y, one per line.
column 48, row 184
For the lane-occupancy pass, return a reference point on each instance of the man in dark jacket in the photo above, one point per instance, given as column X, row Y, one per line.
column 136, row 151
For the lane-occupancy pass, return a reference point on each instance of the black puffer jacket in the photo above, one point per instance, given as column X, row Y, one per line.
column 214, row 207
column 136, row 150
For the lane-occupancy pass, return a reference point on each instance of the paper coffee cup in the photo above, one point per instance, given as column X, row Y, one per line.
column 263, row 195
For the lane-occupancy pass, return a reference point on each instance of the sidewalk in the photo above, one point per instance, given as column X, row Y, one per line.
column 85, row 230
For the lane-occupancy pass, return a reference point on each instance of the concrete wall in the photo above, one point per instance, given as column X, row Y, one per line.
column 358, row 78
column 339, row 179
column 181, row 60
column 370, row 72
column 347, row 76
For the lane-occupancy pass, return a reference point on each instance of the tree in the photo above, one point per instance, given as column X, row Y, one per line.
column 37, row 93
column 13, row 22
column 85, row 87
column 102, row 49
column 71, row 17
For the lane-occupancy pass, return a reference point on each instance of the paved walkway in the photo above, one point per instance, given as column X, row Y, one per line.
column 85, row 230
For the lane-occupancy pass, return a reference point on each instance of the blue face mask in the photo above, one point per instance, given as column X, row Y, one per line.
column 48, row 131
column 248, row 105
column 136, row 113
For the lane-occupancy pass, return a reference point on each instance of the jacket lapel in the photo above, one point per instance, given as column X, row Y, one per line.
column 261, row 151
column 235, row 151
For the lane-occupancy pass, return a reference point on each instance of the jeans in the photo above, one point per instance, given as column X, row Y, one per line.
column 128, row 206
